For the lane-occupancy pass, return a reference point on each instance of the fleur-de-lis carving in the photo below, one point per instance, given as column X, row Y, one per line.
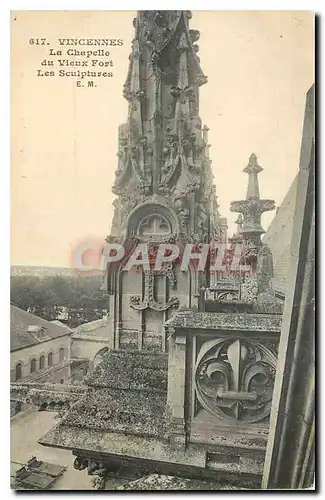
column 234, row 379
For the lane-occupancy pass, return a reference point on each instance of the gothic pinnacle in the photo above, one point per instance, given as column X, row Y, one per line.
column 253, row 207
column 253, row 169
column 160, row 154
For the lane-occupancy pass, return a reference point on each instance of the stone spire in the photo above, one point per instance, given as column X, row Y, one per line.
column 163, row 149
column 253, row 207
column 252, row 169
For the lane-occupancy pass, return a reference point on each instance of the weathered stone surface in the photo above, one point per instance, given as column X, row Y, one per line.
column 160, row 482
column 38, row 394
column 126, row 393
column 130, row 412
column 226, row 321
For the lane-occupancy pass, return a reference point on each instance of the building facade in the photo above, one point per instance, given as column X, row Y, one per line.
column 40, row 350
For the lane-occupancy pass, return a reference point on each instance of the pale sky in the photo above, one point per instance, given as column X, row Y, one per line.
column 64, row 139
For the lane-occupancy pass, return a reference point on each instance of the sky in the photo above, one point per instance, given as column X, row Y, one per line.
column 259, row 65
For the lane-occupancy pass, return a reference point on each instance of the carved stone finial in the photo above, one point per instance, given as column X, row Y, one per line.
column 252, row 169
column 253, row 207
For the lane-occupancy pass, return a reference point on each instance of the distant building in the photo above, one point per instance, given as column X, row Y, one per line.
column 39, row 349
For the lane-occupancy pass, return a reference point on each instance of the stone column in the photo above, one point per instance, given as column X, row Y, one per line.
column 289, row 460
column 176, row 388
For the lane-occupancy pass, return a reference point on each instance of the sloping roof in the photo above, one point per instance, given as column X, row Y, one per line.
column 97, row 328
column 59, row 323
column 278, row 238
column 20, row 337
column 127, row 394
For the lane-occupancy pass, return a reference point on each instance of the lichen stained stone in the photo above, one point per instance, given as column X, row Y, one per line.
column 226, row 321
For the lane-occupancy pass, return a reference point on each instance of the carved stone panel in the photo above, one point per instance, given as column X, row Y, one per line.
column 234, row 379
column 148, row 300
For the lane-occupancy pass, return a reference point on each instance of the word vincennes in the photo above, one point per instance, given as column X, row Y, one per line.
column 113, row 42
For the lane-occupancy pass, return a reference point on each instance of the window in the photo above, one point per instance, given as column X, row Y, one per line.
column 41, row 362
column 61, row 354
column 33, row 366
column 18, row 371
column 50, row 359
column 154, row 224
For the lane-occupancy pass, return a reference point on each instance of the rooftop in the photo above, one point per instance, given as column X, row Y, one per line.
column 22, row 335
column 126, row 394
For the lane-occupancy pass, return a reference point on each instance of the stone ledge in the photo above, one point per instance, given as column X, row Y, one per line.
column 226, row 321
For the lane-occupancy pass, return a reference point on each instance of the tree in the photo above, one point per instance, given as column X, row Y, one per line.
column 49, row 297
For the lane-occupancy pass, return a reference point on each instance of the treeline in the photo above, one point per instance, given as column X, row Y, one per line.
column 72, row 300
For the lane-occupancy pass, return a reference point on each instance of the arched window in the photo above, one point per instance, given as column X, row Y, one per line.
column 50, row 359
column 18, row 371
column 41, row 362
column 61, row 354
column 154, row 224
column 33, row 365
